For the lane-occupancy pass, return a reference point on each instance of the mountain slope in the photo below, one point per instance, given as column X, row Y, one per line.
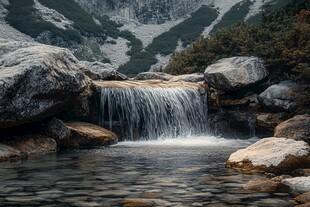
column 132, row 35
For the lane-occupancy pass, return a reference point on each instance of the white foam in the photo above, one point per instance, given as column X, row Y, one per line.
column 191, row 141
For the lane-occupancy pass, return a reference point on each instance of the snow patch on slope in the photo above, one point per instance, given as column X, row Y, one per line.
column 223, row 7
column 146, row 32
column 256, row 8
column 116, row 51
column 52, row 16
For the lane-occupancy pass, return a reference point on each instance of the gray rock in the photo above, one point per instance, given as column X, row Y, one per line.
column 30, row 145
column 230, row 74
column 195, row 77
column 7, row 152
column 36, row 80
column 274, row 155
column 101, row 71
column 270, row 120
column 153, row 76
column 297, row 128
column 57, row 129
column 280, row 97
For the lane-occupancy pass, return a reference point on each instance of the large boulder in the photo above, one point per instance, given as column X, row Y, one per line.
column 297, row 128
column 153, row 76
column 275, row 155
column 85, row 135
column 280, row 97
column 36, row 81
column 101, row 71
column 234, row 73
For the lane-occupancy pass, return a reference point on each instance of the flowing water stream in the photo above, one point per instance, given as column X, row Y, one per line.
column 169, row 166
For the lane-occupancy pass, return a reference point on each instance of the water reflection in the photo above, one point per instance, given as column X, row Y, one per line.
column 165, row 175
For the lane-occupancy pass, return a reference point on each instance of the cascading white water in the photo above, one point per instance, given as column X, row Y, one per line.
column 154, row 112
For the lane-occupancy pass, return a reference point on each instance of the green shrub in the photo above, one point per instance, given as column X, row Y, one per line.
column 22, row 16
column 166, row 43
column 282, row 39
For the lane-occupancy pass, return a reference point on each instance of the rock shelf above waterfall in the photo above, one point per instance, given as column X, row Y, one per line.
column 149, row 84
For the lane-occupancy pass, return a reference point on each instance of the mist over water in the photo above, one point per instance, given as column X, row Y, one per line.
column 190, row 141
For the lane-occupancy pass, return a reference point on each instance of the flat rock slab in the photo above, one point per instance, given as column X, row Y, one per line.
column 274, row 155
column 85, row 135
column 149, row 84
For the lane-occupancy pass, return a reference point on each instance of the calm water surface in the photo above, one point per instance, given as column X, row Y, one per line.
column 170, row 173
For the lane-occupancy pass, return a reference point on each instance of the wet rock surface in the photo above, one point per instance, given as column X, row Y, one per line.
column 297, row 128
column 85, row 135
column 303, row 198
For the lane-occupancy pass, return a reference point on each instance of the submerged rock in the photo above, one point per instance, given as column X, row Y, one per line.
column 7, row 152
column 85, row 135
column 298, row 184
column 29, row 145
column 275, row 155
column 280, row 97
column 303, row 198
column 266, row 186
column 138, row 202
column 297, row 128
column 36, row 80
column 153, row 76
column 101, row 71
column 230, row 74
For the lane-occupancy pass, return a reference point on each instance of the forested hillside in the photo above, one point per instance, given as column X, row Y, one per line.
column 282, row 39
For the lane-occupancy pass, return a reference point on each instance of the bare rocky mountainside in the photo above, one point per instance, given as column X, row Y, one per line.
column 131, row 35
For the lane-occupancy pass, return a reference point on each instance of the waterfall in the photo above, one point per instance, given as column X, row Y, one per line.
column 150, row 113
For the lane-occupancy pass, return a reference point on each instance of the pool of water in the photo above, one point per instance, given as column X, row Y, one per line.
column 175, row 172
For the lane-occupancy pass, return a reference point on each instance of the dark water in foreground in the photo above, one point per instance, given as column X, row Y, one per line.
column 170, row 173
